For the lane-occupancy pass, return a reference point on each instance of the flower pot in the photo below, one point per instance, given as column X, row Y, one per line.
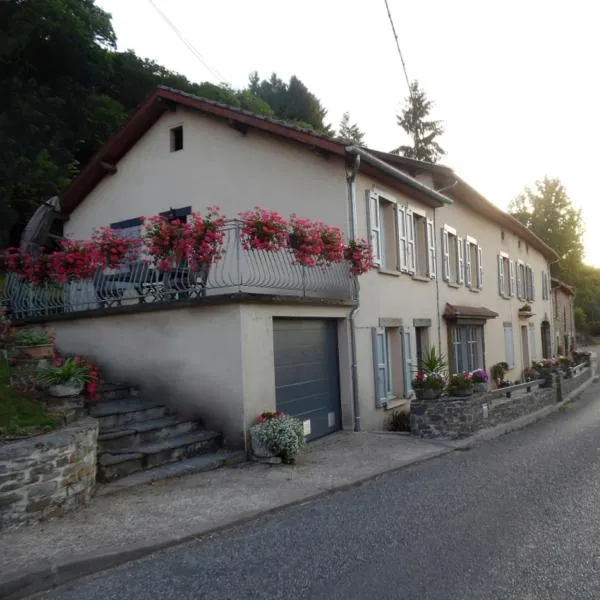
column 36, row 352
column 63, row 390
column 431, row 393
column 480, row 387
column 260, row 453
column 463, row 393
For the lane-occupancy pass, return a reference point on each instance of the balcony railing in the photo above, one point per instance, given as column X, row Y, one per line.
column 239, row 271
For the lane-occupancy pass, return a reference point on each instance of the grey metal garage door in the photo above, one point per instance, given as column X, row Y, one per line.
column 306, row 373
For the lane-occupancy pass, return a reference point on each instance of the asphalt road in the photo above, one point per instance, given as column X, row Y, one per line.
column 516, row 518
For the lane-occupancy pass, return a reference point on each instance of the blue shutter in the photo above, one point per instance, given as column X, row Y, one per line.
column 381, row 367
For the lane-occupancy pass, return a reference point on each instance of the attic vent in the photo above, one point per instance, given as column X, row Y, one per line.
column 176, row 138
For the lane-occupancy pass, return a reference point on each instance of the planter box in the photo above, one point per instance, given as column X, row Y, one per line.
column 460, row 393
column 36, row 352
column 481, row 387
column 64, row 390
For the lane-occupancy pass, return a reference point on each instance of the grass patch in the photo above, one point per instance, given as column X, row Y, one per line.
column 18, row 415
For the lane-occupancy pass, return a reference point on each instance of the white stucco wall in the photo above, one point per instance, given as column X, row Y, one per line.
column 217, row 166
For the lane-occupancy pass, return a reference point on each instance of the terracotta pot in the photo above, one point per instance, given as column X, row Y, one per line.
column 36, row 352
column 64, row 390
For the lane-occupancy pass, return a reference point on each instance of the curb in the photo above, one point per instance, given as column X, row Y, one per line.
column 48, row 576
column 51, row 575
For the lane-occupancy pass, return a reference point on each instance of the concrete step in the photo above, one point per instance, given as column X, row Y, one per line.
column 125, row 461
column 137, row 433
column 115, row 413
column 188, row 466
column 116, row 391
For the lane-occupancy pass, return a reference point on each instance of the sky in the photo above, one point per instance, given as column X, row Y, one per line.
column 515, row 82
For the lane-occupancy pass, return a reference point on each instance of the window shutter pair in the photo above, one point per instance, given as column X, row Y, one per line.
column 406, row 239
column 374, row 225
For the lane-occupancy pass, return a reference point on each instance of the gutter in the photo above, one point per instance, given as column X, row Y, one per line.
column 367, row 157
column 351, row 183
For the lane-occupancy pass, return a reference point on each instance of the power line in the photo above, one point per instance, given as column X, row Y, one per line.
column 188, row 44
column 398, row 46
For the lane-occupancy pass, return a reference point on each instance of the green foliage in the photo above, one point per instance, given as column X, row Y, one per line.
column 18, row 415
column 431, row 362
column 550, row 214
column 70, row 371
column 422, row 131
column 350, row 133
column 581, row 322
column 32, row 337
column 498, row 372
column 282, row 436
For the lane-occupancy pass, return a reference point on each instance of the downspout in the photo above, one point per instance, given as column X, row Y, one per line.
column 351, row 183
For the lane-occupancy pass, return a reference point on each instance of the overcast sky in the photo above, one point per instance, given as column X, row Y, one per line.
column 515, row 82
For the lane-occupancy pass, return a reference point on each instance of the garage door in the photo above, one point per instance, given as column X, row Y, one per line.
column 306, row 373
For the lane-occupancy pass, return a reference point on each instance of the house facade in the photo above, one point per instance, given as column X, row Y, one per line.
column 452, row 271
column 563, row 301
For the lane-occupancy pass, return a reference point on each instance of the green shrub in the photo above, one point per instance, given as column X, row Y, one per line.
column 32, row 337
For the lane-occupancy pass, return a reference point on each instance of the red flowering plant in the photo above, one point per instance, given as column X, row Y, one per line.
column 165, row 241
column 264, row 230
column 332, row 239
column 265, row 416
column 203, row 239
column 359, row 254
column 37, row 271
column 305, row 241
column 75, row 261
column 17, row 262
column 113, row 248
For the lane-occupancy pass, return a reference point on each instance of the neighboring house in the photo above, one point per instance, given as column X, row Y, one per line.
column 452, row 272
column 563, row 299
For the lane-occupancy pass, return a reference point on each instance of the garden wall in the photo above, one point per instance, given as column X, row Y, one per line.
column 47, row 475
column 453, row 417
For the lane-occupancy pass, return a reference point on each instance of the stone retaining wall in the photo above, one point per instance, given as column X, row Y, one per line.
column 47, row 475
column 453, row 417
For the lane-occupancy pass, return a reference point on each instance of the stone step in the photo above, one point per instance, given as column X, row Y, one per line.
column 143, row 432
column 188, row 466
column 116, row 391
column 114, row 413
column 119, row 463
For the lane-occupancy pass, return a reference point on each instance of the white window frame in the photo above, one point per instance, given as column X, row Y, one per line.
column 447, row 231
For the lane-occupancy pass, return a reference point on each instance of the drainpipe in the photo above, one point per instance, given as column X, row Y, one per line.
column 351, row 183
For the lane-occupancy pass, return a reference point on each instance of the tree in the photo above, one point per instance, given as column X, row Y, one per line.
column 350, row 134
column 550, row 214
column 423, row 132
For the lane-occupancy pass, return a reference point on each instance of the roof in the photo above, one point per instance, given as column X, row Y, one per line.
column 460, row 190
column 557, row 283
column 454, row 311
column 165, row 98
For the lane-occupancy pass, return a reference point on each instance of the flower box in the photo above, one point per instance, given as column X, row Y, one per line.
column 65, row 390
column 36, row 352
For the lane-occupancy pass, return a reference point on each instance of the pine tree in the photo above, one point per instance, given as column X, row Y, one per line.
column 422, row 132
column 350, row 134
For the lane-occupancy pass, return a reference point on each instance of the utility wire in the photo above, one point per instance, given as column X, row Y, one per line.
column 398, row 46
column 188, row 44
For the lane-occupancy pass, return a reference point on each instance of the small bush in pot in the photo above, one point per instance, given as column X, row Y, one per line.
column 498, row 371
column 34, row 343
column 66, row 377
column 428, row 385
column 280, row 434
column 480, row 378
column 460, row 384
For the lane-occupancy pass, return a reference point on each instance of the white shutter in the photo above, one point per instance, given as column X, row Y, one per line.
column 519, row 280
column 402, row 241
column 381, row 367
column 446, row 255
column 532, row 343
column 479, row 268
column 410, row 240
column 532, row 284
column 374, row 225
column 508, row 345
column 511, row 267
column 431, row 249
column 408, row 365
column 467, row 259
column 461, row 260
column 500, row 275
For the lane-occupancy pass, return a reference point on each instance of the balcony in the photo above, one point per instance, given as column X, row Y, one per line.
column 239, row 273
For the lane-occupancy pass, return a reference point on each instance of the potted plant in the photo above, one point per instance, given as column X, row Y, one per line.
column 263, row 230
column 66, row 377
column 479, row 377
column 277, row 435
column 35, row 344
column 498, row 372
column 525, row 311
column 460, row 385
column 360, row 256
column 305, row 241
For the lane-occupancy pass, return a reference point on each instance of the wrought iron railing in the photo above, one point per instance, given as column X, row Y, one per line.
column 239, row 271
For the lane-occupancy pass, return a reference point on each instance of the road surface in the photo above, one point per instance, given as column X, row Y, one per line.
column 516, row 518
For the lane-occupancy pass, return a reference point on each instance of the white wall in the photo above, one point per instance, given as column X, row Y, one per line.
column 217, row 166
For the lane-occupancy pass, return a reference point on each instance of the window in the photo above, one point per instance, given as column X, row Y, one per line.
column 466, row 347
column 506, row 276
column 176, row 137
column 453, row 256
column 402, row 238
column 473, row 258
column 392, row 359
column 509, row 345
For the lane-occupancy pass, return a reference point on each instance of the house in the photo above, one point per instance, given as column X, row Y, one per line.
column 563, row 299
column 452, row 271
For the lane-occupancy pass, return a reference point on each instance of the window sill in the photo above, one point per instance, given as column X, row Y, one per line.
column 396, row 403
column 391, row 272
column 452, row 284
column 421, row 278
column 474, row 290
